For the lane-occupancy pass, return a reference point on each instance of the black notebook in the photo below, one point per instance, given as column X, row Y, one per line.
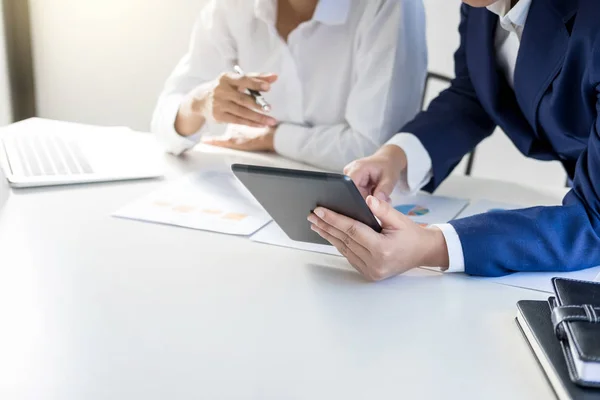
column 533, row 317
column 579, row 308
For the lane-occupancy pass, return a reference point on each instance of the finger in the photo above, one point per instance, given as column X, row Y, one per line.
column 235, row 143
column 354, row 234
column 390, row 218
column 245, row 103
column 245, row 82
column 240, row 98
column 269, row 78
column 384, row 188
column 383, row 197
column 234, row 108
column 352, row 258
column 228, row 118
column 364, row 192
column 346, row 243
column 218, row 141
column 361, row 175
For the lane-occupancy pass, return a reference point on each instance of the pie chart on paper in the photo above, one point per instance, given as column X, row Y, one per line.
column 412, row 210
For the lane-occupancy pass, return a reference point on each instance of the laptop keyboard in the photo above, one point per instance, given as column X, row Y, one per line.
column 45, row 155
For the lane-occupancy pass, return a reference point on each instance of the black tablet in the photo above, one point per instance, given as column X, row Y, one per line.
column 290, row 195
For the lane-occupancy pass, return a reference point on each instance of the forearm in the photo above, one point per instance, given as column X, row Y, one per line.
column 179, row 118
column 539, row 239
column 163, row 125
column 190, row 119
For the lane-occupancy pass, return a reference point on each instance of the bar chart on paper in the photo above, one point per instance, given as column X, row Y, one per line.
column 206, row 200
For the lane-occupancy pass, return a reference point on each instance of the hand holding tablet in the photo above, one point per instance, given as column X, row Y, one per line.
column 342, row 217
column 289, row 196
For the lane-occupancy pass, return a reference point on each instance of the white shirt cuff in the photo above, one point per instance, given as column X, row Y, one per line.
column 173, row 142
column 455, row 251
column 288, row 138
column 418, row 163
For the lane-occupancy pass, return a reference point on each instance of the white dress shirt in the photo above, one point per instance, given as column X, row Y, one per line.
column 419, row 169
column 348, row 79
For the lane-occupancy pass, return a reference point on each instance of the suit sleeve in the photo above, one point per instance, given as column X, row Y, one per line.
column 552, row 239
column 455, row 122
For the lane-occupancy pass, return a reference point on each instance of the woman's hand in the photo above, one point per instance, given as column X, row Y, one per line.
column 245, row 139
column 401, row 246
column 225, row 101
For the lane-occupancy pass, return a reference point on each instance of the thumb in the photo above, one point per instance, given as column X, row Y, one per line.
column 389, row 217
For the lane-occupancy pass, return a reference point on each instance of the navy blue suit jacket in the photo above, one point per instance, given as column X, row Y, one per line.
column 552, row 114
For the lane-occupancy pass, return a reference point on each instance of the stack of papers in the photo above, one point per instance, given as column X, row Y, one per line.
column 209, row 200
column 272, row 234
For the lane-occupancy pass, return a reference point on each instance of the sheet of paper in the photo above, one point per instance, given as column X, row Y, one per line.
column 542, row 281
column 428, row 209
column 484, row 206
column 212, row 200
column 272, row 234
column 424, row 209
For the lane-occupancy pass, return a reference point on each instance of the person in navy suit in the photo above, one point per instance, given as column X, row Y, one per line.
column 531, row 67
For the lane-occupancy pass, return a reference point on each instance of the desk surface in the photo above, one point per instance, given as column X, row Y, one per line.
column 94, row 307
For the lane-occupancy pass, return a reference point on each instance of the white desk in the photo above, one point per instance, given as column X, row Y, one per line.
column 96, row 308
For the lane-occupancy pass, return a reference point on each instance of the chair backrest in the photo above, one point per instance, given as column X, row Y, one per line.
column 434, row 84
column 496, row 157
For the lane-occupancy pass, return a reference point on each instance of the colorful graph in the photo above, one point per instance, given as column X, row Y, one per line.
column 412, row 210
column 212, row 211
column 189, row 209
column 161, row 203
column 235, row 216
column 184, row 209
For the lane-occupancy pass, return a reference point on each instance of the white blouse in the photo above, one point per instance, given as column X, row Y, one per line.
column 348, row 79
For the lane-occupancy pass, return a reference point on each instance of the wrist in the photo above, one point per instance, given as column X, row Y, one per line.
column 196, row 103
column 435, row 253
column 395, row 154
column 270, row 138
column 190, row 118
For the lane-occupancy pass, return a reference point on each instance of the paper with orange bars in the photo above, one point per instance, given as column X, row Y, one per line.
column 211, row 200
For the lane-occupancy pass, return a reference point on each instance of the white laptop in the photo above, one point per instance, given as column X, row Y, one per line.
column 41, row 152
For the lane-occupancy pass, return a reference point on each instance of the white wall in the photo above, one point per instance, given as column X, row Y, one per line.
column 443, row 17
column 104, row 62
column 5, row 109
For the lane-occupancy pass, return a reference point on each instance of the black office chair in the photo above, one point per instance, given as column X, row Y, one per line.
column 447, row 80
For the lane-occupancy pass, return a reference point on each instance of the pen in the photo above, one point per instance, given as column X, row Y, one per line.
column 255, row 95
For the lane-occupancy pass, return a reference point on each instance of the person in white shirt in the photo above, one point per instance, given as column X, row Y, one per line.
column 531, row 67
column 341, row 76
